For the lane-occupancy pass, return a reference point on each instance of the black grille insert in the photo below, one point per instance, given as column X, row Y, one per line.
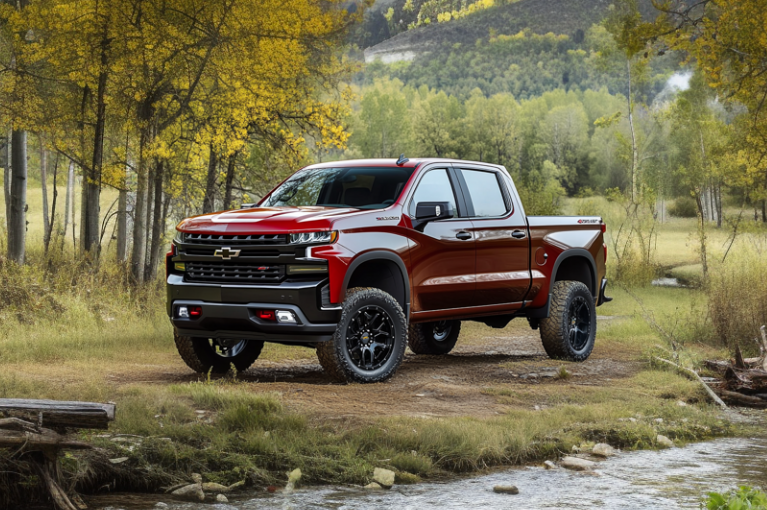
column 226, row 272
column 235, row 240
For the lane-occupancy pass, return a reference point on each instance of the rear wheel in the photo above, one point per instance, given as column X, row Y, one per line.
column 434, row 337
column 569, row 331
column 217, row 355
column 369, row 342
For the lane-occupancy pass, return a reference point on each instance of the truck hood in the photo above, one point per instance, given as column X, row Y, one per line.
column 267, row 220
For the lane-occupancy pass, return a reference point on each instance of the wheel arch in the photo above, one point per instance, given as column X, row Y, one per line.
column 570, row 265
column 382, row 270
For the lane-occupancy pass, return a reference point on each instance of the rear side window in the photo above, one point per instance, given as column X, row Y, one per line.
column 485, row 192
column 434, row 187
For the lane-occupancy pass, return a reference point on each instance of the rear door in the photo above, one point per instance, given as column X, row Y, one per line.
column 502, row 238
column 442, row 256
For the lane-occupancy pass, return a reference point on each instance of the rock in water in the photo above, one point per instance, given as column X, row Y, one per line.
column 603, row 450
column 214, row 487
column 373, row 486
column 384, row 477
column 293, row 478
column 506, row 489
column 236, row 485
column 196, row 477
column 577, row 464
column 191, row 492
column 550, row 465
column 222, row 499
column 664, row 442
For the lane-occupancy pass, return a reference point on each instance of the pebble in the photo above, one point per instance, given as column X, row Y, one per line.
column 658, row 420
column 220, row 498
column 550, row 465
column 373, row 486
column 118, row 460
column 161, row 505
column 506, row 489
column 577, row 464
column 664, row 442
column 681, row 403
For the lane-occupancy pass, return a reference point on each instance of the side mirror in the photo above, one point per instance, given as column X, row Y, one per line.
column 426, row 212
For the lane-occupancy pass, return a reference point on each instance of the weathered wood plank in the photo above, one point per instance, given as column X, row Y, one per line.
column 55, row 413
column 45, row 439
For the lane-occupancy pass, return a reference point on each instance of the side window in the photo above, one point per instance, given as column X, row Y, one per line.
column 434, row 187
column 485, row 192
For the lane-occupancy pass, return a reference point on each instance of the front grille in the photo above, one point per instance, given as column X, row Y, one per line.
column 225, row 272
column 235, row 240
column 244, row 252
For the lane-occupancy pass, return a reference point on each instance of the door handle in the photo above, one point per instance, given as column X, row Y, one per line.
column 518, row 234
column 462, row 235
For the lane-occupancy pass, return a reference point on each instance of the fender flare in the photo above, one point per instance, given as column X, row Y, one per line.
column 380, row 255
column 576, row 252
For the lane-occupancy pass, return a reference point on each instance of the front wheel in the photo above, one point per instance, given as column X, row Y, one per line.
column 569, row 331
column 217, row 355
column 369, row 342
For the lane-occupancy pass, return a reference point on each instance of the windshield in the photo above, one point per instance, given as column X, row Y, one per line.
column 358, row 187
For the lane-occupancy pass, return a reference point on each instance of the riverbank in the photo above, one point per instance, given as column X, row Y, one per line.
column 496, row 401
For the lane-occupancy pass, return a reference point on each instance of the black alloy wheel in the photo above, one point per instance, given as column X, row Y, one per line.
column 370, row 338
column 568, row 333
column 434, row 338
column 369, row 343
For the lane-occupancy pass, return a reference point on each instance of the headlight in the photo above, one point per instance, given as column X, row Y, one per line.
column 314, row 237
column 179, row 237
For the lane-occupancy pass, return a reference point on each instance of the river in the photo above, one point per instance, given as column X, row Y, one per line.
column 668, row 479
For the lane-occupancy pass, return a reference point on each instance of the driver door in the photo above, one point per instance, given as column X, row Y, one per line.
column 443, row 253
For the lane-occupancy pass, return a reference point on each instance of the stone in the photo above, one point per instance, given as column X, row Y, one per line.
column 664, row 442
column 506, row 489
column 603, row 450
column 658, row 420
column 220, row 498
column 191, row 492
column 196, row 477
column 160, row 504
column 214, row 487
column 236, row 486
column 293, row 478
column 373, row 486
column 633, row 420
column 118, row 460
column 577, row 464
column 681, row 403
column 550, row 465
column 384, row 477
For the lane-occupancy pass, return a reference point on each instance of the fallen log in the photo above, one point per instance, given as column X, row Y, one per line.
column 744, row 400
column 57, row 414
column 694, row 376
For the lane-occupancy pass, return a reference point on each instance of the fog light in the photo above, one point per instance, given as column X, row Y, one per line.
column 182, row 312
column 286, row 317
column 180, row 266
column 267, row 315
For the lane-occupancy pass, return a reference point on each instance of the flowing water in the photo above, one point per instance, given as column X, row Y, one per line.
column 667, row 479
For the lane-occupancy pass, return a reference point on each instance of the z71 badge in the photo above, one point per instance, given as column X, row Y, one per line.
column 385, row 218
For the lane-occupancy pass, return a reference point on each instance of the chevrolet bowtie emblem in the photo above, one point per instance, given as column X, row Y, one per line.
column 227, row 253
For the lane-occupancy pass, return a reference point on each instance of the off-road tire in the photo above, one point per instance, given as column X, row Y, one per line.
column 198, row 354
column 559, row 339
column 424, row 338
column 334, row 354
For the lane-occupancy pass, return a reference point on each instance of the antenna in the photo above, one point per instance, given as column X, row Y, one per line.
column 402, row 160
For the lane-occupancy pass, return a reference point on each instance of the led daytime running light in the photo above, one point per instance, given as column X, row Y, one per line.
column 314, row 237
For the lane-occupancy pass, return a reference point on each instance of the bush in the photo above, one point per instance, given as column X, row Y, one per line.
column 741, row 499
column 738, row 299
column 684, row 207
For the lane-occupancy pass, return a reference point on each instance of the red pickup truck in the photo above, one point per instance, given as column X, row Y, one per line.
column 360, row 259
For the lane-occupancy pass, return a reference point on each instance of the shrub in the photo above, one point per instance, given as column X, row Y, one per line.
column 684, row 207
column 743, row 498
column 738, row 299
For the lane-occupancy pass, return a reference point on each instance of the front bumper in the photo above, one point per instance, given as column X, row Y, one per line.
column 230, row 311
